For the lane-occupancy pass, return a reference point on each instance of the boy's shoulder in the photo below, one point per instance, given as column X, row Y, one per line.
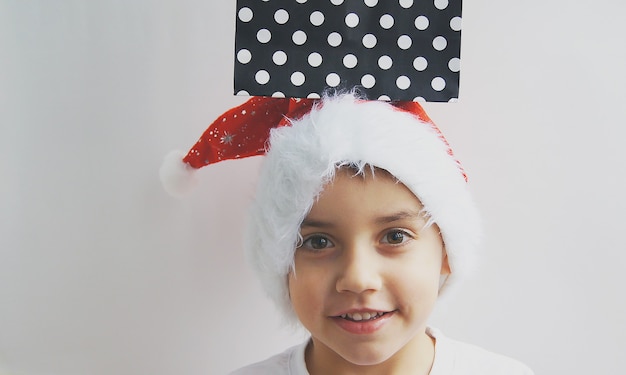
column 289, row 362
column 459, row 358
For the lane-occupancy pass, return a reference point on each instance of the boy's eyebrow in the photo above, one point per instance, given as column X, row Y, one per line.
column 400, row 215
column 315, row 223
column 383, row 219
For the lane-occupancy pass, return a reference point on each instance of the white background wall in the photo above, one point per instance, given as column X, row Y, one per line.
column 102, row 273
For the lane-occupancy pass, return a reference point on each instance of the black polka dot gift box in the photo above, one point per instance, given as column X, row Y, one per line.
column 387, row 49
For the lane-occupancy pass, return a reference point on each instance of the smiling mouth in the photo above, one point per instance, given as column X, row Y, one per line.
column 363, row 316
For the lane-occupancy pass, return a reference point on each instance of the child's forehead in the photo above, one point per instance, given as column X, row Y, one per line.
column 371, row 186
column 364, row 203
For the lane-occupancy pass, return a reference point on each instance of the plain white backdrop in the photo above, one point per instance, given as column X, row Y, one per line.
column 101, row 272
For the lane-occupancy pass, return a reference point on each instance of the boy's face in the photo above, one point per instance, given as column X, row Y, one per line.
column 367, row 274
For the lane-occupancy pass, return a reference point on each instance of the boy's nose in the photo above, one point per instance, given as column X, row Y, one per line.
column 359, row 271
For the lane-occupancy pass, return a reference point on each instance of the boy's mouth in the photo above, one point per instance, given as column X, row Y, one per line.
column 363, row 322
column 362, row 316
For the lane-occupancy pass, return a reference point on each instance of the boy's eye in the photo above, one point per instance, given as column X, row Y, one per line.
column 317, row 242
column 396, row 237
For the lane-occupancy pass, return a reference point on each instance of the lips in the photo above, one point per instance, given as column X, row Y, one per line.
column 363, row 322
column 361, row 316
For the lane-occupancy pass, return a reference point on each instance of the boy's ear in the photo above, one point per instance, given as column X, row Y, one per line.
column 445, row 265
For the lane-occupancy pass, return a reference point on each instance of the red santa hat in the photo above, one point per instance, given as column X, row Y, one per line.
column 304, row 142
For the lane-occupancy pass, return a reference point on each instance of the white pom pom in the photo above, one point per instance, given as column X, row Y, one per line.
column 178, row 178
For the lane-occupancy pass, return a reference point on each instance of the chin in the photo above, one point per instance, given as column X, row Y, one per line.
column 367, row 357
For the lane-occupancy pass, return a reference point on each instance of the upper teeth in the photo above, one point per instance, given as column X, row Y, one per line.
column 362, row 315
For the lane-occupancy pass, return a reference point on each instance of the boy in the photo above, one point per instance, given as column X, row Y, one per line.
column 362, row 217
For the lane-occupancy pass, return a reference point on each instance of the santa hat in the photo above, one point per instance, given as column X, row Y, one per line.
column 304, row 142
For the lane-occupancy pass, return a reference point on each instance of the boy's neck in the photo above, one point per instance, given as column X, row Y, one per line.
column 415, row 358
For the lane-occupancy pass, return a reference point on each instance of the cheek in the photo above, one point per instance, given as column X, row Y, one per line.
column 305, row 290
column 415, row 296
column 415, row 279
column 415, row 282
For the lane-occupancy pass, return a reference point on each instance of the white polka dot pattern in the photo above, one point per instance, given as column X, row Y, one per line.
column 385, row 62
column 389, row 50
column 317, row 18
column 279, row 58
column 352, row 20
column 334, row 39
column 333, row 79
column 281, row 16
column 350, row 61
column 315, row 59
column 299, row 37
column 297, row 78
column 369, row 40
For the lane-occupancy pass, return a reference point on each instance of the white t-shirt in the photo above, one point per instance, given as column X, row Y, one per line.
column 451, row 358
